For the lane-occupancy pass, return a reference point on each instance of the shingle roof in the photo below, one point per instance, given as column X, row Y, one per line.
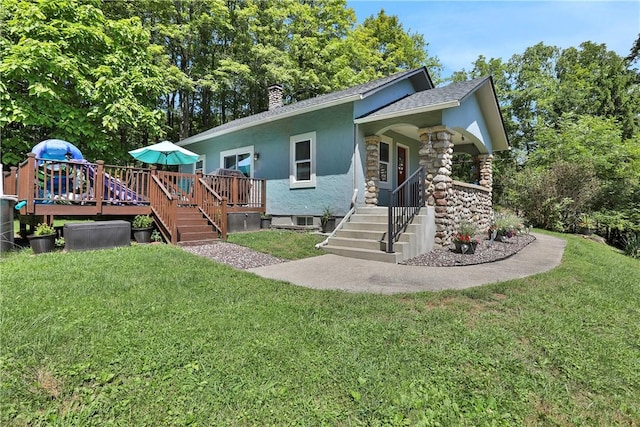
column 361, row 91
column 454, row 92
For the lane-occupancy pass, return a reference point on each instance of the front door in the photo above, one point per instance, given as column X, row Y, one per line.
column 401, row 155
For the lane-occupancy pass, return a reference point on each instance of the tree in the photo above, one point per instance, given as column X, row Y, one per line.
column 598, row 82
column 231, row 51
column 385, row 47
column 68, row 72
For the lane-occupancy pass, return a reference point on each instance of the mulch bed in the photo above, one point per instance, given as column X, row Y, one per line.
column 485, row 252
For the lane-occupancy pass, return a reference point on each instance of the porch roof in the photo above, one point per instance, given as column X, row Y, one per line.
column 447, row 97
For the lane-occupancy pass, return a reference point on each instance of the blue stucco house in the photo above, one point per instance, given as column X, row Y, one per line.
column 350, row 148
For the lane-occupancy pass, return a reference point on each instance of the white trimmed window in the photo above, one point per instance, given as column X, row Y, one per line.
column 302, row 172
column 384, row 163
column 239, row 159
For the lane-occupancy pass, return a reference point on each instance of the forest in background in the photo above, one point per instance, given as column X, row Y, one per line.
column 113, row 76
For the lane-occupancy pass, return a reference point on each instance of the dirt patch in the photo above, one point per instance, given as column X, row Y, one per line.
column 47, row 383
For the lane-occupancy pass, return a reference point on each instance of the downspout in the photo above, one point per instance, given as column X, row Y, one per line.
column 355, row 157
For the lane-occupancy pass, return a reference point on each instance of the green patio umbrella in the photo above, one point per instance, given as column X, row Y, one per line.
column 164, row 153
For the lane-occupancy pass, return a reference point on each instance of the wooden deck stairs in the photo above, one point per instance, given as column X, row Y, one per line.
column 193, row 226
column 186, row 207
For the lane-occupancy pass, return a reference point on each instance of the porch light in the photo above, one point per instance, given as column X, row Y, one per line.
column 256, row 156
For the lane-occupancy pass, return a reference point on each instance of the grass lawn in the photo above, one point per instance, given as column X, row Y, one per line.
column 280, row 243
column 152, row 335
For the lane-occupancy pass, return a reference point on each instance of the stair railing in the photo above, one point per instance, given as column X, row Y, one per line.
column 404, row 203
column 165, row 208
column 180, row 185
column 345, row 219
column 212, row 206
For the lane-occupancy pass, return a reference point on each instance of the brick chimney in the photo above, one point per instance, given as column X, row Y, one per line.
column 275, row 96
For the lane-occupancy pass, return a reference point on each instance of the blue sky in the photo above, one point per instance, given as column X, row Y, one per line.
column 459, row 31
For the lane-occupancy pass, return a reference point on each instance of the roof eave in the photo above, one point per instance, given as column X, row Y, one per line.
column 309, row 109
column 425, row 109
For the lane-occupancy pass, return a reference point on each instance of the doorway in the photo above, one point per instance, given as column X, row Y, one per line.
column 402, row 166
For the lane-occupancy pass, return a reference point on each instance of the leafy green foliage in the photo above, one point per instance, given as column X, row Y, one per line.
column 569, row 113
column 632, row 245
column 553, row 198
column 230, row 53
column 68, row 72
column 171, row 338
column 44, row 229
column 142, row 221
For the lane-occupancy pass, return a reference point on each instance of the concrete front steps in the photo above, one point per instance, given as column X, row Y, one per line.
column 362, row 237
column 193, row 226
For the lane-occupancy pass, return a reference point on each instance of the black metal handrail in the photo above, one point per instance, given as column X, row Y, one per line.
column 404, row 203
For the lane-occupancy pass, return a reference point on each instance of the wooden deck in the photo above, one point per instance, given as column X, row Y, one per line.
column 82, row 189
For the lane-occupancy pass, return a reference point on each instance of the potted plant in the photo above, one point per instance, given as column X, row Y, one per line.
column 265, row 221
column 505, row 226
column 44, row 239
column 586, row 224
column 327, row 221
column 142, row 226
column 465, row 239
column 156, row 237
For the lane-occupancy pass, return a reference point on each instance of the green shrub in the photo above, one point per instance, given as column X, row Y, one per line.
column 506, row 224
column 632, row 245
column 44, row 229
column 553, row 198
column 142, row 221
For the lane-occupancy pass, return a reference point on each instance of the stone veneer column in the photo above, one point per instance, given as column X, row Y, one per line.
column 485, row 164
column 372, row 188
column 436, row 153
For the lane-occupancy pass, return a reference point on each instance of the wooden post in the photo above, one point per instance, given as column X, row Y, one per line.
column 173, row 220
column 11, row 183
column 235, row 191
column 99, row 186
column 223, row 219
column 154, row 172
column 32, row 183
column 198, row 195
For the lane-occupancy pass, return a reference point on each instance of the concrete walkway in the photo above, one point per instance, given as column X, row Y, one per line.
column 354, row 275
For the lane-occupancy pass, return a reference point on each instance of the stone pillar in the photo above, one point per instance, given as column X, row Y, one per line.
column 436, row 153
column 485, row 166
column 372, row 188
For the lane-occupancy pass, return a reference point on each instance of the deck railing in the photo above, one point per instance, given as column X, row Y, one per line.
column 10, row 181
column 79, row 188
column 180, row 185
column 212, row 205
column 242, row 194
column 404, row 203
column 165, row 209
column 53, row 182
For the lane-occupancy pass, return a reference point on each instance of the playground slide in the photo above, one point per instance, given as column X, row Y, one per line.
column 114, row 189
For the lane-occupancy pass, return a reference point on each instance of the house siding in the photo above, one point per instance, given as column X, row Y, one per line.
column 469, row 117
column 334, row 155
column 382, row 98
